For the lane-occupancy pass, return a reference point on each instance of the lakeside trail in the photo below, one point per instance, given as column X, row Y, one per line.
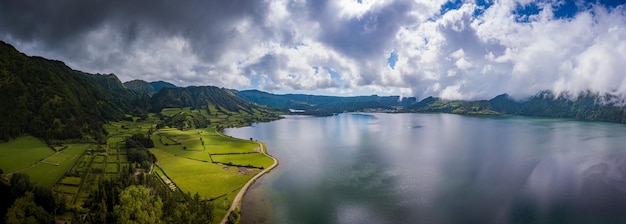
column 239, row 197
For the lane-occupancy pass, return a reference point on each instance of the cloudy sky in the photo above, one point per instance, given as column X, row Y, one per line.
column 473, row 49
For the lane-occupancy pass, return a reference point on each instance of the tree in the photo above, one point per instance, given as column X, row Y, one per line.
column 24, row 210
column 136, row 205
column 20, row 183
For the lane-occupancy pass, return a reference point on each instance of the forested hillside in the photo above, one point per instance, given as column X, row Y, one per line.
column 199, row 97
column 49, row 100
column 584, row 106
column 148, row 88
column 321, row 105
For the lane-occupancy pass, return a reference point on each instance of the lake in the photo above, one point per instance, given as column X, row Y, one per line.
column 438, row 168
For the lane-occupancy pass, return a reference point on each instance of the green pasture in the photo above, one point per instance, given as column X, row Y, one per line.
column 207, row 179
column 254, row 159
column 95, row 166
column 112, row 168
column 168, row 112
column 22, row 152
column 46, row 175
column 83, row 164
column 112, row 158
column 75, row 181
column 66, row 189
column 178, row 150
column 118, row 131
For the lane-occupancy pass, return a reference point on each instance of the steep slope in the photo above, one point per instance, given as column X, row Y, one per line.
column 140, row 86
column 49, row 100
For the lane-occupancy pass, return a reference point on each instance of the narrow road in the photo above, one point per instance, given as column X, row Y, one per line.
column 237, row 200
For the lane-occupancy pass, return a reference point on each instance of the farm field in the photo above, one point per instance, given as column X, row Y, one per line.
column 118, row 131
column 22, row 152
column 184, row 157
column 211, row 181
column 52, row 169
column 254, row 159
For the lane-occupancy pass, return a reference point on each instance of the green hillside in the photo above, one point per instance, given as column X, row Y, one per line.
column 49, row 100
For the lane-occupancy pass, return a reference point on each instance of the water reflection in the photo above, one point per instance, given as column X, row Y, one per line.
column 371, row 168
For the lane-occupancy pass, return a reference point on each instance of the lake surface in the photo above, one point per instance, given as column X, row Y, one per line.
column 438, row 168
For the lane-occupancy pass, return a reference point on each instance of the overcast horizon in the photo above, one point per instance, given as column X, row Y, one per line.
column 451, row 49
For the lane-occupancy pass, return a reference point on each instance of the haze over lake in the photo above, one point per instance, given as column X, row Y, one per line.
column 438, row 168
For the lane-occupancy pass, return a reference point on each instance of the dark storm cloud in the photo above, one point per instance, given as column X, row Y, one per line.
column 56, row 25
column 364, row 36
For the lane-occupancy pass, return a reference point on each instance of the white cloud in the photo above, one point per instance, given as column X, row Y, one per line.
column 340, row 47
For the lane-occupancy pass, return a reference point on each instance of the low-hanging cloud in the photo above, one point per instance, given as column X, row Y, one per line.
column 468, row 51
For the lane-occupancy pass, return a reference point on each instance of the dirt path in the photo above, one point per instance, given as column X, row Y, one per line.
column 237, row 200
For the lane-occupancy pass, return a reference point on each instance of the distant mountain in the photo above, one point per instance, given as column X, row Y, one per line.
column 200, row 97
column 49, row 100
column 322, row 105
column 585, row 106
column 148, row 88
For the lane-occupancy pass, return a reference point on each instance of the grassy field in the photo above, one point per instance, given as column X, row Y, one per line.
column 22, row 152
column 184, row 156
column 118, row 131
column 99, row 159
column 255, row 159
column 207, row 179
column 75, row 181
column 46, row 174
column 112, row 168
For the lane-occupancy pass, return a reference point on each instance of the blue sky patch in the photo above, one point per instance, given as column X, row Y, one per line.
column 392, row 59
column 523, row 13
column 451, row 5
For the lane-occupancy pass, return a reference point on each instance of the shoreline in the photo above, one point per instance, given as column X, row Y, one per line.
column 239, row 197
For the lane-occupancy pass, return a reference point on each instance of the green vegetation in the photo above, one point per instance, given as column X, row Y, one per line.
column 253, row 159
column 583, row 106
column 149, row 88
column 22, row 152
column 325, row 105
column 46, row 174
column 137, row 205
column 25, row 210
column 53, row 102
column 74, row 181
column 96, row 136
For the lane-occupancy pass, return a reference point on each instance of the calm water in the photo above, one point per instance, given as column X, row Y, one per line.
column 439, row 168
